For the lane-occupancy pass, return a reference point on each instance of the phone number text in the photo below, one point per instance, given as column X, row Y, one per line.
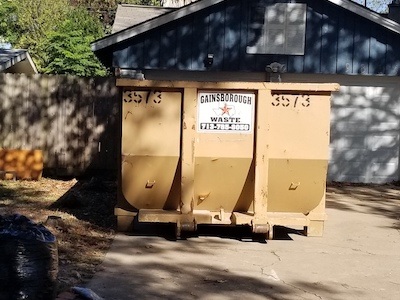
column 225, row 126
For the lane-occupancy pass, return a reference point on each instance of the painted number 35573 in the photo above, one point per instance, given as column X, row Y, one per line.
column 291, row 100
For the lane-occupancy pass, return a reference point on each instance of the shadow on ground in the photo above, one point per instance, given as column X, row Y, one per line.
column 206, row 268
column 91, row 200
column 19, row 197
column 239, row 233
column 382, row 200
column 199, row 281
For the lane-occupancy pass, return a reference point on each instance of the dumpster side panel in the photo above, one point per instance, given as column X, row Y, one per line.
column 151, row 127
column 223, row 150
column 298, row 141
column 296, row 185
column 151, row 123
column 147, row 181
column 298, row 126
column 219, row 182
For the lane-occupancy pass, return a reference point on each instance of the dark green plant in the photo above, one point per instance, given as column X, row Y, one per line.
column 9, row 29
column 68, row 50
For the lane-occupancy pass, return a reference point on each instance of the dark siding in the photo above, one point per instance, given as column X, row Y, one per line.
column 345, row 44
column 312, row 57
column 199, row 44
column 255, row 19
column 168, row 48
column 329, row 38
column 216, row 39
column 361, row 46
column 337, row 41
column 130, row 57
column 393, row 55
column 152, row 50
column 377, row 53
column 183, row 52
column 232, row 36
column 246, row 60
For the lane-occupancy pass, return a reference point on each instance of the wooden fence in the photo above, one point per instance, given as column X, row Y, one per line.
column 74, row 121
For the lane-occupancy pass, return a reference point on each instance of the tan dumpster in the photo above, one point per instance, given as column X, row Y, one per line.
column 231, row 153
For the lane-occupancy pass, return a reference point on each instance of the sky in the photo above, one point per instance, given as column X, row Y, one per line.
column 379, row 6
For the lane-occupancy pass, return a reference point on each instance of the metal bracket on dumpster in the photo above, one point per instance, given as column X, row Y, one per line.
column 185, row 226
column 264, row 229
column 184, row 222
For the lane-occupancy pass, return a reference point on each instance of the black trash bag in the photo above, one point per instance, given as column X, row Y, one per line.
column 28, row 260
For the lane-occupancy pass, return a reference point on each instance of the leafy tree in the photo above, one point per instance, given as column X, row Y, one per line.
column 105, row 9
column 68, row 50
column 9, row 29
column 36, row 19
column 58, row 33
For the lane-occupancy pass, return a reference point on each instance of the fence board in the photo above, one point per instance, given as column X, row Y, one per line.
column 73, row 120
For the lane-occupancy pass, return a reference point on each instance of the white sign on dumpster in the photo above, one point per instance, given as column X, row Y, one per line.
column 222, row 111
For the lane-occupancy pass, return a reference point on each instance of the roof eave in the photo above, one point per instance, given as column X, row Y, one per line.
column 151, row 24
column 21, row 61
column 12, row 60
column 370, row 15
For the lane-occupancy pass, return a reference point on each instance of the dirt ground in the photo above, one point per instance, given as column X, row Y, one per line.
column 86, row 227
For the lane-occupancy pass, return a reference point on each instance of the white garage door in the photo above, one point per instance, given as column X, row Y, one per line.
column 365, row 127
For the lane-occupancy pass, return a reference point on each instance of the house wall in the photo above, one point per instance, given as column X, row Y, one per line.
column 73, row 120
column 341, row 46
column 337, row 42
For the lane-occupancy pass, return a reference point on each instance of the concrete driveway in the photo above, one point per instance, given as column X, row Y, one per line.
column 357, row 258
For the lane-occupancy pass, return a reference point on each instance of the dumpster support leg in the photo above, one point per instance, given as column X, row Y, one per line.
column 314, row 228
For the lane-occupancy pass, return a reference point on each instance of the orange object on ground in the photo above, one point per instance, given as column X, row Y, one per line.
column 21, row 164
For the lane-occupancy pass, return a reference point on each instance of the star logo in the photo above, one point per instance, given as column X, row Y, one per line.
column 225, row 110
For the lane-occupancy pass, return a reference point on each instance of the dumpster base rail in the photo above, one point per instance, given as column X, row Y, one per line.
column 313, row 225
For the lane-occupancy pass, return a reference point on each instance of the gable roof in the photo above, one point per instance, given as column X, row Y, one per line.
column 203, row 4
column 16, row 61
column 129, row 15
column 153, row 23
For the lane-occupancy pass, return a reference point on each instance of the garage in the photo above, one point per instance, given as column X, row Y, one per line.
column 330, row 41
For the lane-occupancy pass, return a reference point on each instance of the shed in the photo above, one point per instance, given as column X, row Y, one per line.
column 292, row 41
column 16, row 61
